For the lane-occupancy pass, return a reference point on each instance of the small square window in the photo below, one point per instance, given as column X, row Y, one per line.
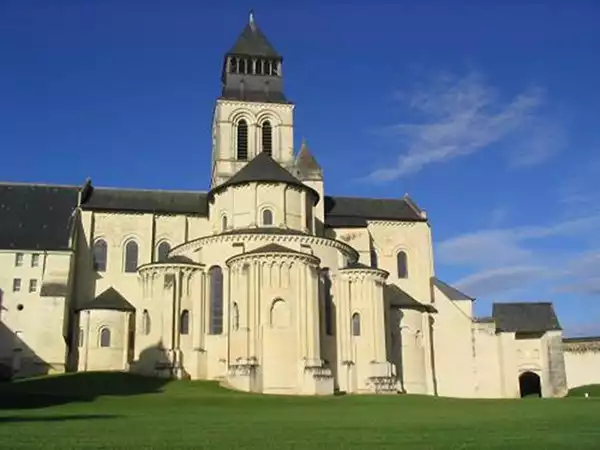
column 35, row 260
column 18, row 259
column 16, row 285
column 32, row 285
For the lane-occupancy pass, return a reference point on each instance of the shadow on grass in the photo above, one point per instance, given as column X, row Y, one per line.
column 17, row 419
column 77, row 387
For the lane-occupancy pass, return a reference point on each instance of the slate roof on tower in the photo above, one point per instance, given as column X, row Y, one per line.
column 263, row 168
column 252, row 42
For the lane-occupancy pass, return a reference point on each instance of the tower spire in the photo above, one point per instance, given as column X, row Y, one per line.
column 251, row 17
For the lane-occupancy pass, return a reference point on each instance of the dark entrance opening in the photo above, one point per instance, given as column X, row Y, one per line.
column 530, row 385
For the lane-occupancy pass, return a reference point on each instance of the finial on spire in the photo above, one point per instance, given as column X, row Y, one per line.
column 251, row 17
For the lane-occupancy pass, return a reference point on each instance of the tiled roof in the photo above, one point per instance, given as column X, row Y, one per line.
column 141, row 200
column 450, row 291
column 35, row 216
column 396, row 297
column 252, row 42
column 348, row 211
column 110, row 299
column 525, row 317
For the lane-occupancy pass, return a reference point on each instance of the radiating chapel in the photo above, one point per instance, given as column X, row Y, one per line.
column 264, row 282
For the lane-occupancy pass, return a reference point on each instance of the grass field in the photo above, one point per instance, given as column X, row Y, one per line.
column 118, row 411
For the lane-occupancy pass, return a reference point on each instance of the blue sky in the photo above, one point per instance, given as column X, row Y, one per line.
column 486, row 114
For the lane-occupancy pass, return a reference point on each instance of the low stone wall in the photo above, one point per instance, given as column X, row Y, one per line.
column 582, row 361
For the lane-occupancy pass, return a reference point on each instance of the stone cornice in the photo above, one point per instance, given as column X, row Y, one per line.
column 168, row 267
column 361, row 272
column 267, row 105
column 194, row 245
column 582, row 346
column 284, row 257
column 392, row 223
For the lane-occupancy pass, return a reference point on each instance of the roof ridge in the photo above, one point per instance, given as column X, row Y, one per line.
column 26, row 183
column 114, row 188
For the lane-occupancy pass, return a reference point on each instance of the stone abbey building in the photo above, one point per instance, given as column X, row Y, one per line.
column 264, row 282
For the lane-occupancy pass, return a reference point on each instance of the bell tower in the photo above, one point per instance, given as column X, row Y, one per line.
column 252, row 115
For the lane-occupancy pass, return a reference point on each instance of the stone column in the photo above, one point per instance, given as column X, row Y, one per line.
column 126, row 341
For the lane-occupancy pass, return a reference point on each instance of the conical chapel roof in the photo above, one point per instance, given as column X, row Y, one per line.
column 263, row 168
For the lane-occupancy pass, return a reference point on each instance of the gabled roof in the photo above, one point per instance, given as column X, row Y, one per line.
column 525, row 317
column 352, row 211
column 110, row 299
column 36, row 216
column 142, row 200
column 252, row 42
column 450, row 291
column 396, row 297
column 263, row 168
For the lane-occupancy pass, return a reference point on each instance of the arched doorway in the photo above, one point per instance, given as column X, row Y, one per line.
column 530, row 385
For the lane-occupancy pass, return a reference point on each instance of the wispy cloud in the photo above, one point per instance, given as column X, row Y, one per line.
column 502, row 260
column 461, row 116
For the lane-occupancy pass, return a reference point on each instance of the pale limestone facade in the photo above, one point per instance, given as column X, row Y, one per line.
column 264, row 283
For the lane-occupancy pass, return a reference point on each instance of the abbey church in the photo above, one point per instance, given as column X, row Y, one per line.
column 264, row 282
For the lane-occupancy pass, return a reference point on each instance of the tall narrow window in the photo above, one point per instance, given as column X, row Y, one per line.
column 104, row 337
column 402, row 263
column 267, row 217
column 18, row 259
column 33, row 285
column 80, row 338
column 224, row 223
column 235, row 317
column 356, row 324
column 35, row 260
column 309, row 216
column 233, row 65
column 131, row 256
column 215, row 275
column 146, row 324
column 184, row 323
column 16, row 285
column 326, row 280
column 99, row 254
column 162, row 252
column 267, row 138
column 242, row 140
column 374, row 258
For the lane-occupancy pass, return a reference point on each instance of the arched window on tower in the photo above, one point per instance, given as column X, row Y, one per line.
column 267, row 217
column 184, row 322
column 235, row 317
column 99, row 255
column 224, row 223
column 163, row 251
column 356, row 324
column 146, row 322
column 328, row 302
column 131, row 257
column 104, row 337
column 233, row 65
column 402, row 263
column 267, row 138
column 242, row 140
column 374, row 258
column 215, row 275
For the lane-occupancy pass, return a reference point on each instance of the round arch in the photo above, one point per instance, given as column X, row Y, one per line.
column 530, row 384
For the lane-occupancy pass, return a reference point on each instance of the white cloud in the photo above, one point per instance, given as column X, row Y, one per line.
column 463, row 116
column 500, row 280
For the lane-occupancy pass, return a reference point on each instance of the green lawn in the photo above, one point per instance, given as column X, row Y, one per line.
column 116, row 411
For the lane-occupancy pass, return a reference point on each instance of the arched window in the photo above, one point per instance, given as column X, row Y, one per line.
column 235, row 317
column 184, row 322
column 162, row 252
column 131, row 256
column 146, row 325
column 224, row 223
column 402, row 263
column 233, row 65
column 267, row 217
column 356, row 324
column 104, row 337
column 99, row 254
column 328, row 303
column 374, row 259
column 242, row 140
column 280, row 315
column 267, row 138
column 215, row 275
